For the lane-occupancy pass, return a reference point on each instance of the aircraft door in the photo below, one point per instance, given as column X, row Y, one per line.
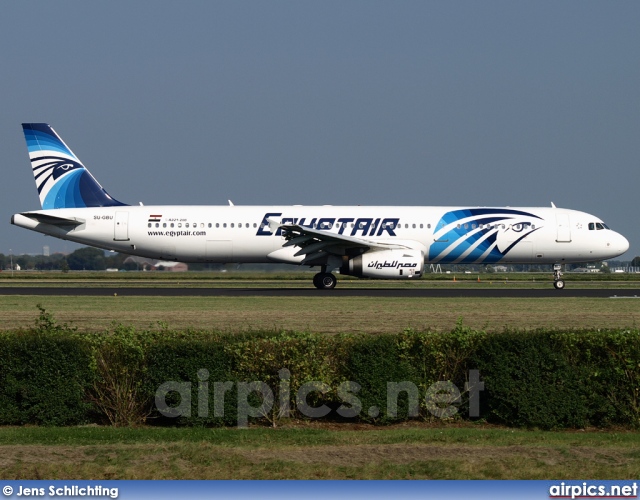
column 564, row 228
column 121, row 226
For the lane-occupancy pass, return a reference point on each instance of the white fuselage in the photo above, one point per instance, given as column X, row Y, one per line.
column 219, row 234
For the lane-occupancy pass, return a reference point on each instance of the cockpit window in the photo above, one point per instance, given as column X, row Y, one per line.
column 597, row 226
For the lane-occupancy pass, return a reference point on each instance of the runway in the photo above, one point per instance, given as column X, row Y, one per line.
column 536, row 293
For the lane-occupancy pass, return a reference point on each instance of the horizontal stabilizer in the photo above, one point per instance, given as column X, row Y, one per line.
column 52, row 219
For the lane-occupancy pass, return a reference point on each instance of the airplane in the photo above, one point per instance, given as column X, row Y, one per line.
column 378, row 242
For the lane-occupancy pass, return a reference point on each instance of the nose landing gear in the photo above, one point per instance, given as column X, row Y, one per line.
column 558, row 282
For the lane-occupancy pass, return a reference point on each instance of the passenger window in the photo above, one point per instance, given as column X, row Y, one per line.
column 179, row 224
column 224, row 224
column 157, row 224
column 164, row 224
column 413, row 226
column 172, row 224
column 149, row 225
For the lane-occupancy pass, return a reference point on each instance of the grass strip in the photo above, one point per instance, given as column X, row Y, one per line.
column 421, row 452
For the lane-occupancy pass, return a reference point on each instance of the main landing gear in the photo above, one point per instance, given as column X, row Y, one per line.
column 324, row 280
column 558, row 282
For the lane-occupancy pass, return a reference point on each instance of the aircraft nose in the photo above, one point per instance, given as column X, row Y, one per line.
column 624, row 243
column 620, row 244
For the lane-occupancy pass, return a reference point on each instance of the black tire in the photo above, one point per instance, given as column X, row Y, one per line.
column 316, row 280
column 559, row 284
column 325, row 281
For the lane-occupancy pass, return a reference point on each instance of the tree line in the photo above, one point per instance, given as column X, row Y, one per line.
column 94, row 259
column 87, row 259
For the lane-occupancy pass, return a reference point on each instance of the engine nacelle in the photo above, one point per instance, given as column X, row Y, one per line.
column 386, row 264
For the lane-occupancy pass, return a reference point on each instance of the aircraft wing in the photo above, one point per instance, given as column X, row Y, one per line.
column 316, row 244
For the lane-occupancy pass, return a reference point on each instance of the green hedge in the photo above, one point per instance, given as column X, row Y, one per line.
column 561, row 379
column 531, row 381
column 44, row 379
column 54, row 375
column 182, row 360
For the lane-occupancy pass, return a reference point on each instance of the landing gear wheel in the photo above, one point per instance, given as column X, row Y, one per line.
column 324, row 281
column 558, row 282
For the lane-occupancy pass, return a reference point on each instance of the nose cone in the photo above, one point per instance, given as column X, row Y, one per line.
column 624, row 243
column 619, row 244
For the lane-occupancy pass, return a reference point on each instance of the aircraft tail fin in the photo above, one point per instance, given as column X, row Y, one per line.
column 61, row 178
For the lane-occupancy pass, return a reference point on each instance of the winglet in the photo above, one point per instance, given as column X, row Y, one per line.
column 274, row 225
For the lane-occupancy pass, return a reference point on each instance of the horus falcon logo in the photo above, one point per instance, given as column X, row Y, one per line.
column 52, row 168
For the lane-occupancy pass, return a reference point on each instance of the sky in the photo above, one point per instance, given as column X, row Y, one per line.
column 492, row 103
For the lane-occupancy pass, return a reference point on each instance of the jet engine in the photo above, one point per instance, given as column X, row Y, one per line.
column 386, row 264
